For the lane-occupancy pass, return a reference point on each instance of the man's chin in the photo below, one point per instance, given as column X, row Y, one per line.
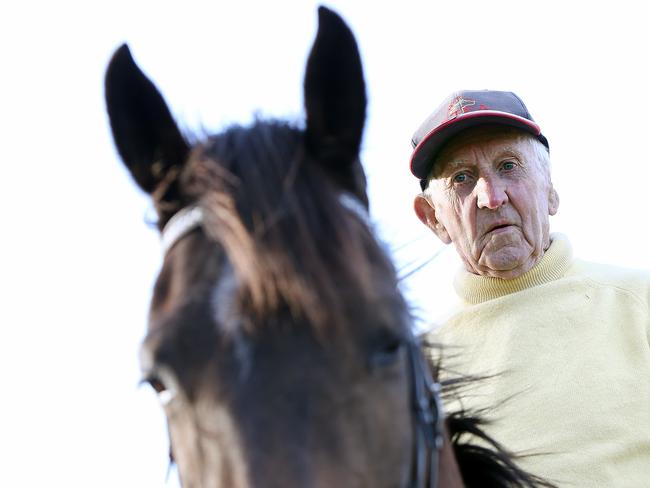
column 507, row 262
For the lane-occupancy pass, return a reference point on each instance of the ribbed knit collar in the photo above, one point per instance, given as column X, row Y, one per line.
column 556, row 260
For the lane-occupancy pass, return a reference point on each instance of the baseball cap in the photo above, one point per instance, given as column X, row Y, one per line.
column 462, row 110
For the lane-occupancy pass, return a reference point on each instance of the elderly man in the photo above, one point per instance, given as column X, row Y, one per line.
column 565, row 343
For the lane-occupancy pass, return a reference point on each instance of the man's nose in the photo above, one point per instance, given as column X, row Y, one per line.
column 490, row 193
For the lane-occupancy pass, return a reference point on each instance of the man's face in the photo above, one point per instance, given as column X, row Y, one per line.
column 491, row 196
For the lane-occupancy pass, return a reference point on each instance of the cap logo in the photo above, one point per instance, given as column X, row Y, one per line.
column 457, row 107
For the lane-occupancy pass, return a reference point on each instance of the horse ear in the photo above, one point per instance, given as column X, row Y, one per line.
column 146, row 136
column 335, row 96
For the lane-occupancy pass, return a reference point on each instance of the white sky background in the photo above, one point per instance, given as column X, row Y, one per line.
column 78, row 262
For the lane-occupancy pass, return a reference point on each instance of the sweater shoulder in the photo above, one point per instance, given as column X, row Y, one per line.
column 630, row 280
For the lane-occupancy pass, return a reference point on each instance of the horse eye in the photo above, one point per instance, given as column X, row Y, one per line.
column 156, row 384
column 386, row 350
column 165, row 394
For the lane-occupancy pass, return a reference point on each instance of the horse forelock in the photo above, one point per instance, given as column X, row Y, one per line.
column 294, row 245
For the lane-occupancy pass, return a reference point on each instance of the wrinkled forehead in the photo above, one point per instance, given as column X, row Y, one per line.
column 488, row 140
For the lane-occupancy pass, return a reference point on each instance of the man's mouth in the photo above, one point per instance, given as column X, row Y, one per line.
column 499, row 227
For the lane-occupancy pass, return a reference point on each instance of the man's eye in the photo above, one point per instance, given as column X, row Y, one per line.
column 508, row 165
column 460, row 178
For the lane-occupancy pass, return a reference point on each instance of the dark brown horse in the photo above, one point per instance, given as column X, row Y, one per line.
column 278, row 341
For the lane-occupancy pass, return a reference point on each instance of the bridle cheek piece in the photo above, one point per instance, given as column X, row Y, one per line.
column 427, row 405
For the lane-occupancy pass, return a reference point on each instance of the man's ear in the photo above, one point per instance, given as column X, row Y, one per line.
column 553, row 201
column 427, row 214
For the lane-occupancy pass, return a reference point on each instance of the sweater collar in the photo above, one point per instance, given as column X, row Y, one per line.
column 476, row 289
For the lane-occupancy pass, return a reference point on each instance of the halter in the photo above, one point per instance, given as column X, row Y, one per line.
column 425, row 392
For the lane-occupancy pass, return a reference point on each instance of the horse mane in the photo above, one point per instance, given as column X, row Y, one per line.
column 482, row 461
column 283, row 225
column 489, row 465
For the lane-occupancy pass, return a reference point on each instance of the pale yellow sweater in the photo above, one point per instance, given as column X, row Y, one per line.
column 569, row 343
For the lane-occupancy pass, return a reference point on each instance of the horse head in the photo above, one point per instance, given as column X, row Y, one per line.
column 277, row 338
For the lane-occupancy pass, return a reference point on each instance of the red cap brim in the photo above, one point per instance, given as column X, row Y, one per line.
column 426, row 150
